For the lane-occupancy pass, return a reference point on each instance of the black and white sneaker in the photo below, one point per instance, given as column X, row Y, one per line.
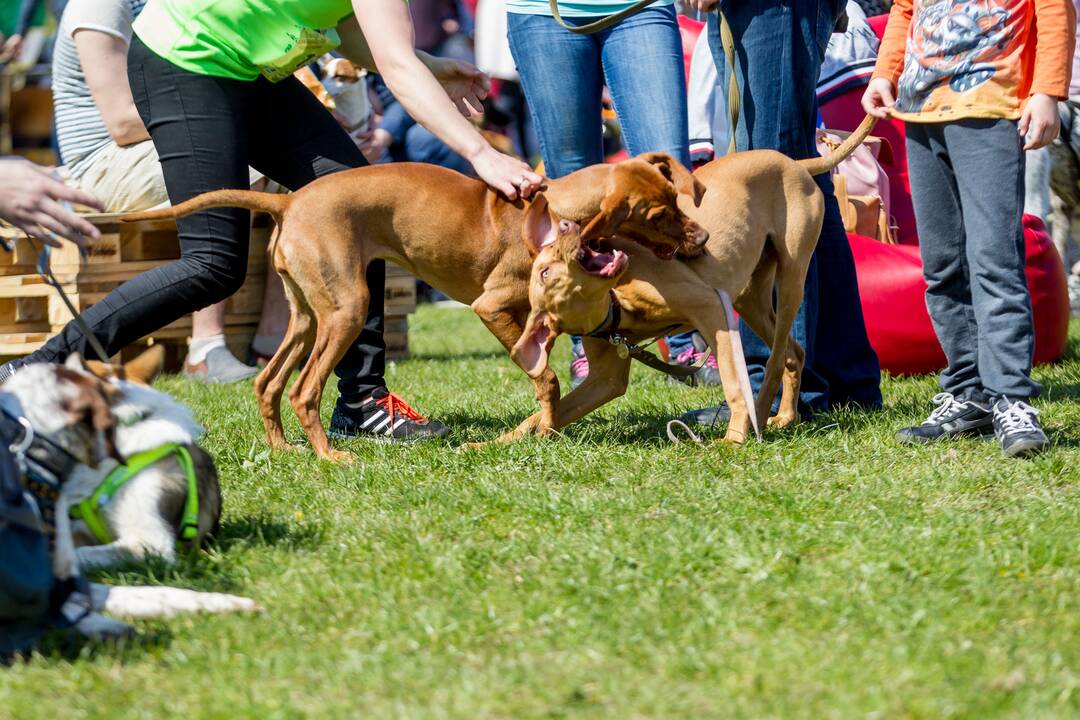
column 951, row 418
column 1017, row 428
column 383, row 416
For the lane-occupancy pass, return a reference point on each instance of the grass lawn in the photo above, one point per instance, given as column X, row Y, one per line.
column 824, row 573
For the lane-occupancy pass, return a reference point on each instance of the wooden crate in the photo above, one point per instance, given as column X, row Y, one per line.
column 31, row 311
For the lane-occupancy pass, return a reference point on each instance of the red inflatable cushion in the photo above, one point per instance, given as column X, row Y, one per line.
column 892, row 291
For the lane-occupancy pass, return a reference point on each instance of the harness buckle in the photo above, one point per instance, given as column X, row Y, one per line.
column 18, row 449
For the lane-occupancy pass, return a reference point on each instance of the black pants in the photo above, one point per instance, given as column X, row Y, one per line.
column 207, row 131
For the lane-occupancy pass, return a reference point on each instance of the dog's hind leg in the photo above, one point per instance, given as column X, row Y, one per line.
column 271, row 382
column 164, row 602
column 337, row 330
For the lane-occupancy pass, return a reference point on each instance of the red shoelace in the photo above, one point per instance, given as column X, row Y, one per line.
column 393, row 405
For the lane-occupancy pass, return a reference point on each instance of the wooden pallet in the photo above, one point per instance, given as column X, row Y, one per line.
column 31, row 311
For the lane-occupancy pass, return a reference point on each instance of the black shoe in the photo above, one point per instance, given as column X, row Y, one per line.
column 1016, row 426
column 384, row 416
column 951, row 418
column 708, row 416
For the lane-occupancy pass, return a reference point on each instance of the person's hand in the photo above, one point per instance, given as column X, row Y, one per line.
column 878, row 98
column 703, row 5
column 463, row 82
column 374, row 144
column 1040, row 122
column 11, row 48
column 508, row 175
column 31, row 200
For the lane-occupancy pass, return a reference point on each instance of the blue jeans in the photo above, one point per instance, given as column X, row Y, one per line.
column 563, row 75
column 779, row 45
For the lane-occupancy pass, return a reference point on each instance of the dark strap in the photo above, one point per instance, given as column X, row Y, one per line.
column 609, row 330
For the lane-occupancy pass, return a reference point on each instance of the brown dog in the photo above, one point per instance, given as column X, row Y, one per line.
column 764, row 214
column 451, row 231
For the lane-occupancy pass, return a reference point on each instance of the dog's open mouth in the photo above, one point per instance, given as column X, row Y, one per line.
column 601, row 263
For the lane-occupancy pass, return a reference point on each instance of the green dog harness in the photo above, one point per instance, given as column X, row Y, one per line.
column 87, row 510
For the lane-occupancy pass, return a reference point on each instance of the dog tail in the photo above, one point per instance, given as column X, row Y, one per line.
column 273, row 204
column 819, row 165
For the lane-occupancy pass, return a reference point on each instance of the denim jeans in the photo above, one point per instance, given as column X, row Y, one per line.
column 563, row 75
column 779, row 46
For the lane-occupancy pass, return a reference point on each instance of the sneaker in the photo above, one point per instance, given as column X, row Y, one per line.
column 10, row 368
column 579, row 365
column 385, row 416
column 1016, row 426
column 951, row 418
column 708, row 374
column 219, row 366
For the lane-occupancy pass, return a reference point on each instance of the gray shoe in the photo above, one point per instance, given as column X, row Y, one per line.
column 1016, row 425
column 219, row 366
column 708, row 416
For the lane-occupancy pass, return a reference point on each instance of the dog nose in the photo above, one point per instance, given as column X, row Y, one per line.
column 568, row 226
column 700, row 236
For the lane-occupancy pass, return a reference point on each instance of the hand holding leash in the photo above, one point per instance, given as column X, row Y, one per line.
column 39, row 204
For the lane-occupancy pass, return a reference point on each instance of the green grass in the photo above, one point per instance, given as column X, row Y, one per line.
column 824, row 573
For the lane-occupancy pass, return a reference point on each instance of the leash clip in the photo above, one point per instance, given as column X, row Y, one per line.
column 18, row 449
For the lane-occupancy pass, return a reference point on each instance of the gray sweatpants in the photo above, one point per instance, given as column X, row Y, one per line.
column 967, row 183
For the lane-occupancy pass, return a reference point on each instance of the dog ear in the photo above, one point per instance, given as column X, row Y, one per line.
column 147, row 366
column 676, row 173
column 531, row 350
column 537, row 229
column 614, row 211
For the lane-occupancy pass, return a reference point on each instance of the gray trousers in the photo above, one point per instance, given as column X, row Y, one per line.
column 967, row 183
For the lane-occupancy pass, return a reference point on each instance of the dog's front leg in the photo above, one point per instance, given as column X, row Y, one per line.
column 165, row 602
column 491, row 308
column 65, row 559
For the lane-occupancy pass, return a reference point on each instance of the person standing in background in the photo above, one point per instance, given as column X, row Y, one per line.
column 966, row 136
column 563, row 75
column 786, row 40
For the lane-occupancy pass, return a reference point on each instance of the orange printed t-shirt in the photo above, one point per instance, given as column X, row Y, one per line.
column 952, row 59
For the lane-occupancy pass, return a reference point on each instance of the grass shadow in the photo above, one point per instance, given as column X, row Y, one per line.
column 265, row 531
column 461, row 355
column 70, row 646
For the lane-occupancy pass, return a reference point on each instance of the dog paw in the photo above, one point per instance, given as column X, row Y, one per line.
column 780, row 421
column 339, row 456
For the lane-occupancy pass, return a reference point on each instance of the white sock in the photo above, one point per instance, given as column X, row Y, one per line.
column 200, row 346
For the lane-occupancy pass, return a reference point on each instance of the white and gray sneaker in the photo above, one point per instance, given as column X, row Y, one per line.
column 1017, row 428
column 952, row 417
column 219, row 366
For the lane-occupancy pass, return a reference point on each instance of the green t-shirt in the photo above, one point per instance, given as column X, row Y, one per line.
column 240, row 39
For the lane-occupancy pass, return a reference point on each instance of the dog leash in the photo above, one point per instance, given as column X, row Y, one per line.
column 44, row 268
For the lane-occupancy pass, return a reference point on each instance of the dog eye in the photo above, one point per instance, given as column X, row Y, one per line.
column 544, row 274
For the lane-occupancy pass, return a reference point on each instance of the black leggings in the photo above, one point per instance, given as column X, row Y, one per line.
column 207, row 131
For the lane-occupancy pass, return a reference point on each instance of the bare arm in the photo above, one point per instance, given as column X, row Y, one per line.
column 104, row 62
column 435, row 91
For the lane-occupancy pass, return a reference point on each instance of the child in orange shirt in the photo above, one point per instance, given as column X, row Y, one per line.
column 973, row 79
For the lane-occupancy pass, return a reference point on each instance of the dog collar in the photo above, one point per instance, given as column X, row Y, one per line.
column 610, row 325
column 88, row 509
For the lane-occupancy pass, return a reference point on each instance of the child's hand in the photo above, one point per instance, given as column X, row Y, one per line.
column 878, row 98
column 1040, row 122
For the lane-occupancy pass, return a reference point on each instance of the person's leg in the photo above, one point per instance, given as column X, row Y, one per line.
column 643, row 64
column 561, row 76
column 200, row 151
column 942, row 245
column 989, row 164
column 563, row 84
column 779, row 51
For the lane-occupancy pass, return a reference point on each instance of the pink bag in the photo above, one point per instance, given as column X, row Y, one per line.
column 865, row 178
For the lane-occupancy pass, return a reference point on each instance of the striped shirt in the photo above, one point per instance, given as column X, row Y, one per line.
column 80, row 130
column 574, row 8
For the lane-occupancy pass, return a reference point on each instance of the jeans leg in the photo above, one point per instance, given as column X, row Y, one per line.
column 422, row 146
column 643, row 64
column 989, row 163
column 942, row 245
column 561, row 76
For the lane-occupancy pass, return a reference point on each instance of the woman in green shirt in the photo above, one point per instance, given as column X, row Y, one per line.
column 212, row 80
